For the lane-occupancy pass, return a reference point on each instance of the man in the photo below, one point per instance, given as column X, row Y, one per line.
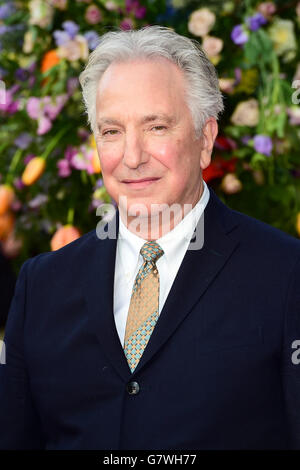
column 182, row 331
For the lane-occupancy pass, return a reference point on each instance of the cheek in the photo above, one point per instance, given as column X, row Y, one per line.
column 109, row 159
column 167, row 153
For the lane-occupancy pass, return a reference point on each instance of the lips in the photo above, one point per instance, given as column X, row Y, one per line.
column 141, row 183
column 142, row 180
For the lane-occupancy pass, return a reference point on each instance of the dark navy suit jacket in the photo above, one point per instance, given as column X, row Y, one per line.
column 218, row 371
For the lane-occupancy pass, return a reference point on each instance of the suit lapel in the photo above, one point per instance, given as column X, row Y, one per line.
column 196, row 273
column 98, row 279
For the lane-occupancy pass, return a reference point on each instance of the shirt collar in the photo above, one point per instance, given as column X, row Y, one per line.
column 179, row 236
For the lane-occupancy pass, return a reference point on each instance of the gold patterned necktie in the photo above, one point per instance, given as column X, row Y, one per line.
column 144, row 305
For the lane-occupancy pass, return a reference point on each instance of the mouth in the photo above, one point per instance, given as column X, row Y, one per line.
column 140, row 183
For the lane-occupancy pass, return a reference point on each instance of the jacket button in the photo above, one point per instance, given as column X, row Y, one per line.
column 133, row 388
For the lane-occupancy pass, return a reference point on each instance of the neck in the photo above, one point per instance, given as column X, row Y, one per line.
column 159, row 222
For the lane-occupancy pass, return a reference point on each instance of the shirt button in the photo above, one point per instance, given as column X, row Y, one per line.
column 133, row 388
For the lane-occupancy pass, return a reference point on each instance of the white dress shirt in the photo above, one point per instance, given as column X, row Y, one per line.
column 129, row 260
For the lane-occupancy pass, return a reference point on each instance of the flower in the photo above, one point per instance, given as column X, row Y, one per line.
column 246, row 113
column 64, row 235
column 33, row 170
column 231, row 184
column 201, row 22
column 110, row 5
column 298, row 223
column 64, row 168
column 93, row 14
column 23, row 140
column 41, row 13
column 74, row 49
column 92, row 38
column 71, row 28
column 294, row 115
column 6, row 10
column 282, row 35
column 212, row 45
column 60, row 4
column 7, row 222
column 263, row 144
column 298, row 10
column 126, row 24
column 239, row 35
column 227, row 85
column 49, row 60
column 267, row 9
column 38, row 201
column 7, row 195
column 256, row 21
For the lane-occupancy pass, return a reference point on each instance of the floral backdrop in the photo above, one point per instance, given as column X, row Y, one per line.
column 50, row 177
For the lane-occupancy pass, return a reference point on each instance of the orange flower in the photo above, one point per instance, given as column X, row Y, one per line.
column 33, row 170
column 7, row 222
column 6, row 197
column 95, row 162
column 298, row 223
column 63, row 236
column 49, row 60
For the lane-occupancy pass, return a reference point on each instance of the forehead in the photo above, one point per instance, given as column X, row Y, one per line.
column 148, row 81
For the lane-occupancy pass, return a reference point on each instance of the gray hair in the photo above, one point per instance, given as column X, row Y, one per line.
column 203, row 96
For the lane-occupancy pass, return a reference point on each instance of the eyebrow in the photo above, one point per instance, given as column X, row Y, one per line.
column 144, row 120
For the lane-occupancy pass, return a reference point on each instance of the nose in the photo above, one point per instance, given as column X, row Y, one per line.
column 134, row 153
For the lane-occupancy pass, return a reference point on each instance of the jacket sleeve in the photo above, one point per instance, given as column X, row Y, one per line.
column 291, row 359
column 19, row 422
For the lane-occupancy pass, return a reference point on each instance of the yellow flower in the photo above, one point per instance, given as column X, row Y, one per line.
column 283, row 37
column 298, row 223
column 248, row 82
column 33, row 170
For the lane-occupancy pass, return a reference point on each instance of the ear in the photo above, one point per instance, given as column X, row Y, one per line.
column 209, row 134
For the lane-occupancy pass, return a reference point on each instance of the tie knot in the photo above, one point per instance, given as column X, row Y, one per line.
column 151, row 251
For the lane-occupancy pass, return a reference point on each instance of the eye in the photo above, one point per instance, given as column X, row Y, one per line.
column 108, row 132
column 159, row 127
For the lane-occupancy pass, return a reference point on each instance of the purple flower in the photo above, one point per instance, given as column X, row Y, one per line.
column 23, row 140
column 38, row 201
column 21, row 74
column 71, row 28
column 28, row 157
column 239, row 35
column 92, row 38
column 263, row 144
column 64, row 169
column 256, row 21
column 72, row 85
column 18, row 183
column 61, row 37
column 6, row 10
column 99, row 183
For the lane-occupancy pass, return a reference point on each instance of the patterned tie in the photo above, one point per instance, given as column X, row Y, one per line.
column 144, row 304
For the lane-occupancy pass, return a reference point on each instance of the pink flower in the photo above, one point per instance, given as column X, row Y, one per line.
column 33, row 107
column 53, row 107
column 44, row 125
column 82, row 160
column 126, row 24
column 64, row 169
column 93, row 15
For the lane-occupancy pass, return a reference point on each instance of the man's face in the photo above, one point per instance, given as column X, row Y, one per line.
column 145, row 140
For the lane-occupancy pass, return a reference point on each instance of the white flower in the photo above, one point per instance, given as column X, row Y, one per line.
column 41, row 13
column 246, row 113
column 212, row 45
column 201, row 22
